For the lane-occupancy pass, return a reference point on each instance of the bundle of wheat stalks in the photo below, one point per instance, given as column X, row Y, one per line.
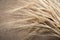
column 36, row 17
